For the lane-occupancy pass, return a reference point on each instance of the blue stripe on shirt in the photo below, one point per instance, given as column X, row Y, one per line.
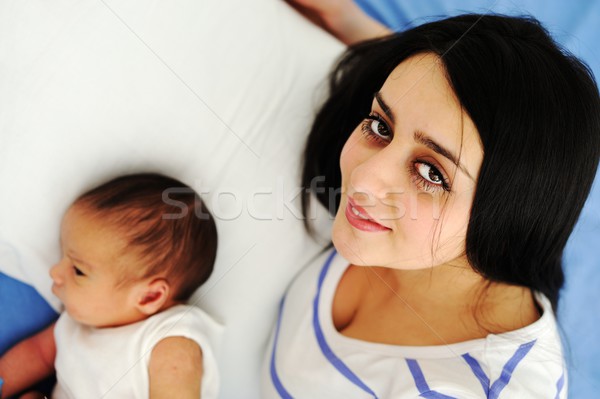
column 325, row 349
column 508, row 369
column 421, row 383
column 493, row 391
column 479, row 373
column 274, row 376
column 560, row 384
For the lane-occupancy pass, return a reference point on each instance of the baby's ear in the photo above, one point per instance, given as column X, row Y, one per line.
column 152, row 296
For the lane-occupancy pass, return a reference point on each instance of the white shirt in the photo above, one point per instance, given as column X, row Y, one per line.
column 93, row 363
column 309, row 358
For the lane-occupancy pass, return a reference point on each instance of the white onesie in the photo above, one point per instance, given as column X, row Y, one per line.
column 113, row 362
column 308, row 358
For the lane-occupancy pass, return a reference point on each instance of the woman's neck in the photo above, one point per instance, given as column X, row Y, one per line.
column 443, row 304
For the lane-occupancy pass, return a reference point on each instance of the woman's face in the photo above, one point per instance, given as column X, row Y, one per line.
column 408, row 174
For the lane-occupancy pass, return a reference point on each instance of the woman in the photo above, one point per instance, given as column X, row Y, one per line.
column 464, row 150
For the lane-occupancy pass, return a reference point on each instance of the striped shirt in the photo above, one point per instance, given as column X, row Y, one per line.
column 308, row 358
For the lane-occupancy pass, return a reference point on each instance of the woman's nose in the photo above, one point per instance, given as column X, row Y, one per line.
column 379, row 175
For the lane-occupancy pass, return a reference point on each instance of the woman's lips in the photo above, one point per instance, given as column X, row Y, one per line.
column 360, row 219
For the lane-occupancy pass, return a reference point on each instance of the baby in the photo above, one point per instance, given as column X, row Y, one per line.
column 133, row 251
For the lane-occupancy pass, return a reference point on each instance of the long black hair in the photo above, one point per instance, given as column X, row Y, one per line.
column 537, row 110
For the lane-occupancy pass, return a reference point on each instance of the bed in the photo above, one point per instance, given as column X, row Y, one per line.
column 219, row 94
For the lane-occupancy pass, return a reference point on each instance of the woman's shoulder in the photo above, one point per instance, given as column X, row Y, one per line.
column 538, row 342
column 543, row 330
column 516, row 358
column 524, row 363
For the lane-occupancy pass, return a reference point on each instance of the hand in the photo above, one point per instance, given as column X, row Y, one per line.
column 342, row 18
column 32, row 395
column 28, row 362
column 325, row 11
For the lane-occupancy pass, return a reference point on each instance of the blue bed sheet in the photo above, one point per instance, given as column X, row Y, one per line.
column 576, row 25
column 24, row 301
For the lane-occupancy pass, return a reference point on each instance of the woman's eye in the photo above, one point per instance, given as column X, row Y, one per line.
column 375, row 127
column 380, row 128
column 428, row 178
column 77, row 271
column 429, row 173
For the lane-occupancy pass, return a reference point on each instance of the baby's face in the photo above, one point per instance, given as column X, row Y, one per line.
column 87, row 277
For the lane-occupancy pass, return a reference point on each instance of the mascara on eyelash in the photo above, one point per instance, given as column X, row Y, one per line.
column 444, row 182
column 369, row 133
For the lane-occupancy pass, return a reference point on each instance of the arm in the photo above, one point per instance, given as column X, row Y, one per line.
column 28, row 362
column 342, row 18
column 175, row 367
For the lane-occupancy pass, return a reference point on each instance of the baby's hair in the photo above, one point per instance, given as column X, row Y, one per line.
column 165, row 222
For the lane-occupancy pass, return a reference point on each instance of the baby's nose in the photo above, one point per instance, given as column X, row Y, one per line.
column 55, row 274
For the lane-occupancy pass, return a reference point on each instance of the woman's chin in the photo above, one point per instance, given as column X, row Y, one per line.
column 348, row 245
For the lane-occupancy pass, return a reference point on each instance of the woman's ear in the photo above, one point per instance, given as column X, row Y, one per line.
column 152, row 296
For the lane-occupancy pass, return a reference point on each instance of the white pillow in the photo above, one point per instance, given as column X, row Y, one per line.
column 219, row 94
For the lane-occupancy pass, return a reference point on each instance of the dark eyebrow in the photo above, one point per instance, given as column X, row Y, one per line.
column 422, row 138
column 386, row 109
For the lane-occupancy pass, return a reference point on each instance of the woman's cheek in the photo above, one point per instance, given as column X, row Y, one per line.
column 349, row 156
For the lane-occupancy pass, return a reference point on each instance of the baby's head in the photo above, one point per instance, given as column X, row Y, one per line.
column 133, row 247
